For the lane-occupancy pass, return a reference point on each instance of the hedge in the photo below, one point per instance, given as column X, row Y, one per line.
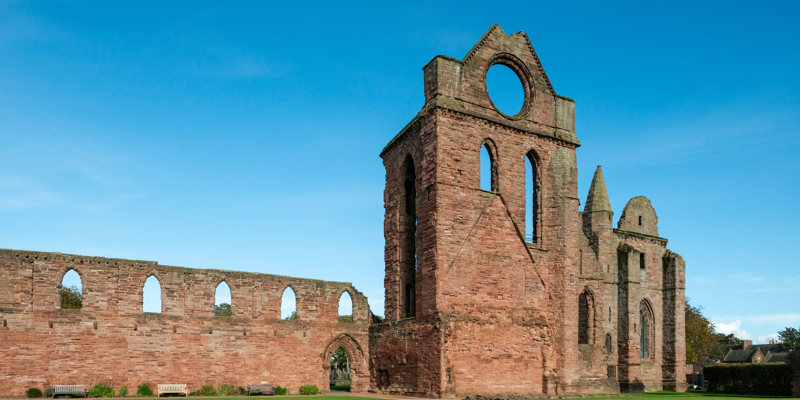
column 774, row 379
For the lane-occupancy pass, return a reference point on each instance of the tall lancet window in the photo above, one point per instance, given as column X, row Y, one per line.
column 409, row 246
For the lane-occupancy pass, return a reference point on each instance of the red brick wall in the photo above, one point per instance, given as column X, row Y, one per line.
column 110, row 340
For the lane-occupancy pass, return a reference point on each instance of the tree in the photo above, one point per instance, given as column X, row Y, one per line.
column 223, row 310
column 340, row 365
column 790, row 339
column 293, row 316
column 703, row 343
column 71, row 298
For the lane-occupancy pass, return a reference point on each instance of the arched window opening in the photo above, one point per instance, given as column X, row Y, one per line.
column 340, row 370
column 409, row 246
column 71, row 291
column 345, row 307
column 151, row 295
column 222, row 300
column 288, row 304
column 609, row 345
column 585, row 317
column 488, row 162
column 646, row 329
column 532, row 188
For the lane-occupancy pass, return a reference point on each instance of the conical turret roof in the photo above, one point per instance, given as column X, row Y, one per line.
column 597, row 200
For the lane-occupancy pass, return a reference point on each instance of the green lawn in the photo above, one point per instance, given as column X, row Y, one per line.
column 690, row 396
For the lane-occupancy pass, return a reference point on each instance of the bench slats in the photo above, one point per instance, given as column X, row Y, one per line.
column 262, row 388
column 179, row 388
column 69, row 389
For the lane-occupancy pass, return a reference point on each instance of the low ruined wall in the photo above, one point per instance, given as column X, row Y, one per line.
column 110, row 340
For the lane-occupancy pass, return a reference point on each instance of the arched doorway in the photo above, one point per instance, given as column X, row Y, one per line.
column 355, row 364
column 340, row 370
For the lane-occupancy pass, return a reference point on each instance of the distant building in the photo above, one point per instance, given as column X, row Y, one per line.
column 747, row 352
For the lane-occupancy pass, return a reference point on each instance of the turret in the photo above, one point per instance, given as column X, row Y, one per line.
column 597, row 213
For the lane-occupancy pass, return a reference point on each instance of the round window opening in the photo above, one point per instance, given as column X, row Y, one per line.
column 505, row 89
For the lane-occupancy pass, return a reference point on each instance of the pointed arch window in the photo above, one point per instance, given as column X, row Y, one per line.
column 223, row 305
column 288, row 304
column 532, row 198
column 646, row 329
column 586, row 317
column 151, row 295
column 408, row 263
column 488, row 161
column 71, row 291
column 345, row 307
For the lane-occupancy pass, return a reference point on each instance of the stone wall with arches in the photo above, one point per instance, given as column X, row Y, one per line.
column 111, row 340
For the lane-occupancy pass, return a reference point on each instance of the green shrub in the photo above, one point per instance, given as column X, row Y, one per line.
column 48, row 392
column 207, row 390
column 280, row 391
column 101, row 390
column 772, row 379
column 144, row 390
column 229, row 390
column 123, row 391
column 309, row 389
column 33, row 393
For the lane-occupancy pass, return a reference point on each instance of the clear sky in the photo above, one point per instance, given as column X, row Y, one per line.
column 246, row 136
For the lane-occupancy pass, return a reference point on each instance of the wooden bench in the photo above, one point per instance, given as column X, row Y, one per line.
column 69, row 389
column 263, row 389
column 172, row 388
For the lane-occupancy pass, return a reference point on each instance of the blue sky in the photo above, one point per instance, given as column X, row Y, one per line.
column 246, row 136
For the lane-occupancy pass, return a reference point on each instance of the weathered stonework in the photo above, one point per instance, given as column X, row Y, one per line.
column 495, row 312
column 110, row 340
column 473, row 305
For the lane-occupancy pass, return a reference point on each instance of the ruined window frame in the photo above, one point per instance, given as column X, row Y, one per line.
column 160, row 292
column 586, row 319
column 533, row 198
column 491, row 150
column 294, row 315
column 352, row 314
column 409, row 250
column 60, row 287
column 647, row 330
column 230, row 290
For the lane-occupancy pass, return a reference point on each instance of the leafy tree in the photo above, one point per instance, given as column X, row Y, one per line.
column 701, row 338
column 703, row 342
column 293, row 316
column 71, row 298
column 790, row 339
column 223, row 310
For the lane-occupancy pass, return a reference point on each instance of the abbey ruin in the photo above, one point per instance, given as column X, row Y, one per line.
column 511, row 290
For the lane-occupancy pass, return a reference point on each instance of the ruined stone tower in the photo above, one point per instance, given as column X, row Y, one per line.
column 481, row 300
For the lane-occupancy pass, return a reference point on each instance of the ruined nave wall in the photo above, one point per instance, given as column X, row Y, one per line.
column 111, row 340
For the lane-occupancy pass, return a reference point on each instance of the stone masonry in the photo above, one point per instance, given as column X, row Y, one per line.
column 110, row 340
column 476, row 306
column 479, row 300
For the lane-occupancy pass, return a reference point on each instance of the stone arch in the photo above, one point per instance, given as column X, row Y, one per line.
column 340, row 296
column 280, row 309
column 359, row 370
column 533, row 197
column 523, row 73
column 586, row 316
column 143, row 281
column 491, row 150
column 409, row 258
column 219, row 281
column 647, row 329
column 60, row 279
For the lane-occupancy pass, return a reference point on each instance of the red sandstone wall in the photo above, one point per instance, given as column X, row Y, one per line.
column 110, row 340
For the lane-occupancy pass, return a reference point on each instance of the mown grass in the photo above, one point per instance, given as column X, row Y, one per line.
column 688, row 396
